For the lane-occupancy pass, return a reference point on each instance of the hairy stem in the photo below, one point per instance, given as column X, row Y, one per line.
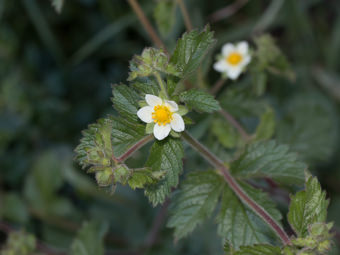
column 146, row 23
column 185, row 14
column 133, row 149
column 241, row 194
column 161, row 84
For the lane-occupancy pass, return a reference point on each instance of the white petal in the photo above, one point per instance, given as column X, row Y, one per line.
column 221, row 66
column 227, row 49
column 153, row 100
column 160, row 131
column 246, row 60
column 234, row 73
column 172, row 105
column 242, row 47
column 145, row 114
column 177, row 123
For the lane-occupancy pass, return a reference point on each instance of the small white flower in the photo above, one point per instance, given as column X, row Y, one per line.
column 234, row 59
column 163, row 113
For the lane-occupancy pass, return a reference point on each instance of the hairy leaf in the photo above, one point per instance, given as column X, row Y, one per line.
column 199, row 100
column 89, row 240
column 195, row 201
column 125, row 101
column 238, row 224
column 146, row 85
column 190, row 50
column 268, row 159
column 307, row 207
column 165, row 155
column 142, row 177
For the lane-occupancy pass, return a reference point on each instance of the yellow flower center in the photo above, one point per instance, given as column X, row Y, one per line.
column 162, row 115
column 234, row 58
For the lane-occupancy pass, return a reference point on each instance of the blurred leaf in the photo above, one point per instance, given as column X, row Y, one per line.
column 266, row 129
column 309, row 127
column 165, row 155
column 19, row 243
column 238, row 224
column 165, row 16
column 89, row 240
column 225, row 133
column 14, row 208
column 199, row 100
column 190, row 50
column 257, row 249
column 269, row 159
column 194, row 202
column 307, row 207
column 58, row 5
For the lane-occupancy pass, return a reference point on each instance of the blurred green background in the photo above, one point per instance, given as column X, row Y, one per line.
column 56, row 72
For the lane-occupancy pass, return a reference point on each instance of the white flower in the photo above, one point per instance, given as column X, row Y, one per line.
column 163, row 113
column 234, row 59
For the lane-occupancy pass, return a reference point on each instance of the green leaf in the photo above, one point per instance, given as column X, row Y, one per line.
column 199, row 100
column 270, row 57
column 165, row 155
column 89, row 240
column 225, row 133
column 95, row 146
column 265, row 130
column 238, row 224
column 125, row 134
column 125, row 101
column 19, row 242
column 268, row 159
column 195, row 201
column 190, row 50
column 309, row 127
column 143, row 177
column 307, row 207
column 165, row 16
column 151, row 61
column 146, row 85
column 259, row 249
column 14, row 208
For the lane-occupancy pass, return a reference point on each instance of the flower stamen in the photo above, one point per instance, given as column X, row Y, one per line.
column 234, row 58
column 162, row 115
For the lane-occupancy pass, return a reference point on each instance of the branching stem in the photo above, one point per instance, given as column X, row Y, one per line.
column 241, row 194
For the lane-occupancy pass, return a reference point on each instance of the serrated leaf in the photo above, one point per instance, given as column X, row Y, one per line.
column 307, row 207
column 238, row 224
column 89, row 240
column 125, row 101
column 125, row 134
column 269, row 159
column 195, row 202
column 199, row 100
column 190, row 50
column 309, row 126
column 146, row 85
column 258, row 249
column 265, row 130
column 165, row 155
column 164, row 15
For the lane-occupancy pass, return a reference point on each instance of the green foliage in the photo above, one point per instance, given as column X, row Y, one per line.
column 238, row 224
column 225, row 133
column 165, row 155
column 270, row 57
column 307, row 207
column 140, row 178
column 13, row 208
column 89, row 240
column 265, row 130
column 258, row 249
column 309, row 127
column 268, row 159
column 199, row 101
column 195, row 202
column 164, row 15
column 125, row 101
column 151, row 61
column 190, row 50
column 19, row 242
